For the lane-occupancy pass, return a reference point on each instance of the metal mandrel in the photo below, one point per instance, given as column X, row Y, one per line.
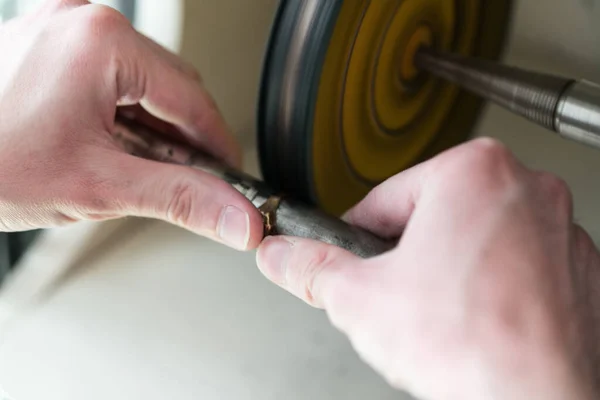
column 566, row 106
column 281, row 215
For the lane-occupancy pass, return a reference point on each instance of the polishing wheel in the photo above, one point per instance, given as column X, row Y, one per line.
column 342, row 106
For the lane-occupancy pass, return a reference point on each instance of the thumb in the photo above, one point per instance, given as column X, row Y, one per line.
column 186, row 197
column 315, row 272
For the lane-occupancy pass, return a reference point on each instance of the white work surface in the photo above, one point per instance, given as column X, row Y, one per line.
column 156, row 312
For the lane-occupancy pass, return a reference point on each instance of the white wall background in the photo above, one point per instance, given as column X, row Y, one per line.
column 562, row 29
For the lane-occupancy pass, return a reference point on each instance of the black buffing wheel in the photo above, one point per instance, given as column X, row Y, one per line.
column 342, row 106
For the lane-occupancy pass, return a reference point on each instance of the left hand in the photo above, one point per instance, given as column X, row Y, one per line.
column 65, row 71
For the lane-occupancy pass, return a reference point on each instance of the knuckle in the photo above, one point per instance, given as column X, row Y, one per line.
column 181, row 203
column 97, row 21
column 106, row 17
column 486, row 165
column 489, row 153
column 322, row 260
column 558, row 191
column 96, row 35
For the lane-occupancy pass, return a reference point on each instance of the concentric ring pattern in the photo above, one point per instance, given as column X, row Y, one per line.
column 341, row 106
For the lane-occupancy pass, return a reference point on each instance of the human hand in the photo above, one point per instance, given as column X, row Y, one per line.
column 492, row 292
column 63, row 72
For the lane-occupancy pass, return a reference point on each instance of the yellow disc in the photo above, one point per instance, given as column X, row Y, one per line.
column 373, row 116
column 343, row 106
column 423, row 37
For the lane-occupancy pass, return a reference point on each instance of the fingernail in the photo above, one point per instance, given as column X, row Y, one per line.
column 273, row 259
column 234, row 227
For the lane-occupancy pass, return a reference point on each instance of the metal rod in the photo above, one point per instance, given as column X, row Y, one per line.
column 282, row 215
column 566, row 106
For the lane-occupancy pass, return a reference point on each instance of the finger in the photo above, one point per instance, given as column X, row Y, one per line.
column 387, row 208
column 314, row 272
column 179, row 195
column 173, row 59
column 169, row 94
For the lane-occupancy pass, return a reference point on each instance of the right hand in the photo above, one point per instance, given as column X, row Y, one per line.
column 492, row 293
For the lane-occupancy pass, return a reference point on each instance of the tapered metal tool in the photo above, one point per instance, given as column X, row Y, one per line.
column 566, row 106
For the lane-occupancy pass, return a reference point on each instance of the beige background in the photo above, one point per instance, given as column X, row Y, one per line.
column 158, row 313
column 226, row 41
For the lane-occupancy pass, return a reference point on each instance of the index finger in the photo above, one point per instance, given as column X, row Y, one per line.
column 388, row 207
column 148, row 77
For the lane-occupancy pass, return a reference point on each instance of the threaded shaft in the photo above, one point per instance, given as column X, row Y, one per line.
column 532, row 95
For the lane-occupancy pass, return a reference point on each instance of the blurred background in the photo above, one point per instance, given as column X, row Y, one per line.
column 147, row 310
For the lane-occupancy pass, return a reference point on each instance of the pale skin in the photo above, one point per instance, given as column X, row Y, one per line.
column 491, row 293
column 63, row 71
